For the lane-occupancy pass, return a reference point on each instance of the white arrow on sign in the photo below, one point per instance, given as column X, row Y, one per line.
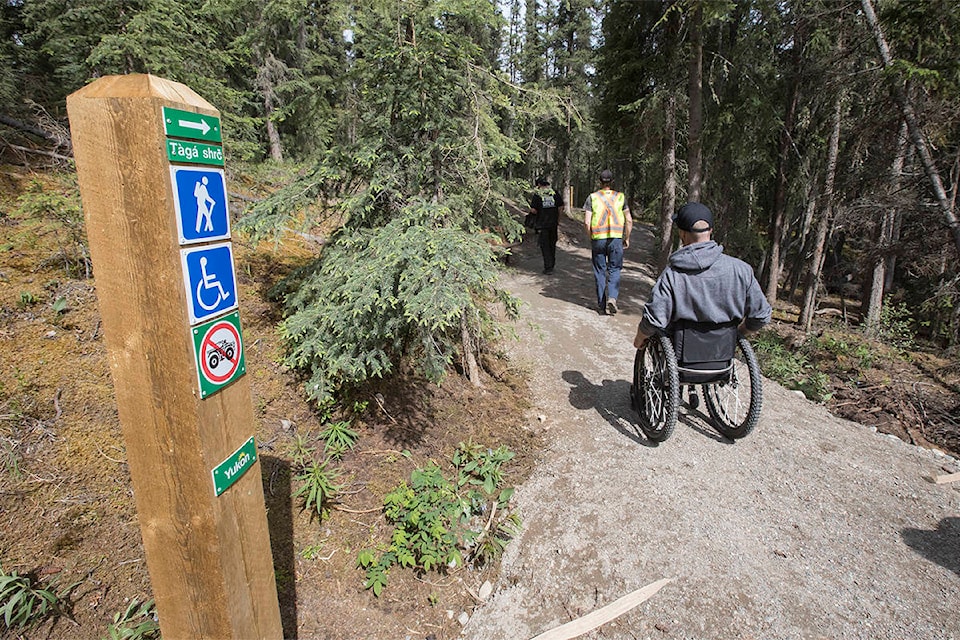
column 189, row 124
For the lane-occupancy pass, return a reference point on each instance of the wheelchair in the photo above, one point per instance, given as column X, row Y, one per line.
column 713, row 357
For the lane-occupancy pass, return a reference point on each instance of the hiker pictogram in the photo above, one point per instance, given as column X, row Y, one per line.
column 200, row 199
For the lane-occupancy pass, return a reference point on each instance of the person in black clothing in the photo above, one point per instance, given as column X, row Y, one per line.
column 545, row 205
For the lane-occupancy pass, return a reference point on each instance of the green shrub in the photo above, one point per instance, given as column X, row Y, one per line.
column 791, row 369
column 896, row 326
column 441, row 522
column 404, row 292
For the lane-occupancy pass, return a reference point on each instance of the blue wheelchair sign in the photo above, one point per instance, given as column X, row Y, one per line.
column 208, row 276
column 200, row 199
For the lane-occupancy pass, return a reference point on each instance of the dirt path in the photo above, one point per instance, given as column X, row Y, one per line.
column 811, row 527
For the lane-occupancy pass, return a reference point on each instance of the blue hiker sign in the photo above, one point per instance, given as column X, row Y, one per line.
column 200, row 200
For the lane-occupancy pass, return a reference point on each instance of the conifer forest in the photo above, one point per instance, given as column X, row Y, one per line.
column 398, row 141
column 823, row 134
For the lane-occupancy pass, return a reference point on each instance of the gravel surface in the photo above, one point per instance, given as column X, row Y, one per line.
column 810, row 527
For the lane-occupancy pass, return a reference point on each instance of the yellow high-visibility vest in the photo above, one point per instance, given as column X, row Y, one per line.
column 607, row 220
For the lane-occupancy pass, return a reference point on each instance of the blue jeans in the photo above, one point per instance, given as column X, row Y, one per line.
column 607, row 263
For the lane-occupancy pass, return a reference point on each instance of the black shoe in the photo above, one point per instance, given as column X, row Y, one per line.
column 548, row 271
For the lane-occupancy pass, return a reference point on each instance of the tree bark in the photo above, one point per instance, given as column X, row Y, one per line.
column 266, row 78
column 916, row 134
column 885, row 237
column 774, row 266
column 668, row 194
column 826, row 217
column 695, row 93
column 470, row 367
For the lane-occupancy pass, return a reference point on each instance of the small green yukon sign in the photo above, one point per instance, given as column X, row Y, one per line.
column 229, row 471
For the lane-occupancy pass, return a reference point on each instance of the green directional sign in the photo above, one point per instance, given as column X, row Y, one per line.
column 190, row 125
column 194, row 152
column 230, row 470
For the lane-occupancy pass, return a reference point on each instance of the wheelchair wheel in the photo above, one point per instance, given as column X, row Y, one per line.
column 656, row 388
column 734, row 404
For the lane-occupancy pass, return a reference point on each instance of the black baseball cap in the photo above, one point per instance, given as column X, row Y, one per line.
column 606, row 175
column 542, row 181
column 692, row 213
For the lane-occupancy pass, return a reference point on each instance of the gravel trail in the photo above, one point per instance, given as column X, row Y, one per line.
column 811, row 527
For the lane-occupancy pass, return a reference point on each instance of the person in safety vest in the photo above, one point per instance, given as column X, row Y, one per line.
column 545, row 205
column 702, row 284
column 606, row 218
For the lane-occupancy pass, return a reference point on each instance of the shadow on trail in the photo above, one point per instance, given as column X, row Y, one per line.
column 610, row 399
column 942, row 545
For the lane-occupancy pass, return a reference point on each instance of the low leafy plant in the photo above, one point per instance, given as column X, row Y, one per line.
column 853, row 354
column 896, row 326
column 137, row 622
column 792, row 369
column 24, row 603
column 27, row 299
column 301, row 452
column 319, row 486
column 339, row 438
column 441, row 523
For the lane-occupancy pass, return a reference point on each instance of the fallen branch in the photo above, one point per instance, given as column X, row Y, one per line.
column 49, row 154
column 338, row 507
column 599, row 617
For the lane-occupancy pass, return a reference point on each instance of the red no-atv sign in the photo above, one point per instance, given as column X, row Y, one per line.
column 218, row 348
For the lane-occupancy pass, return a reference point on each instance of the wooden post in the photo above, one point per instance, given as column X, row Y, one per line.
column 207, row 549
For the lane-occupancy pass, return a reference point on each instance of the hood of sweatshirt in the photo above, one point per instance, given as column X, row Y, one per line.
column 696, row 257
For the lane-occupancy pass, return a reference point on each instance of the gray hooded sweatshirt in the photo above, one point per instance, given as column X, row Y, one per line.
column 702, row 284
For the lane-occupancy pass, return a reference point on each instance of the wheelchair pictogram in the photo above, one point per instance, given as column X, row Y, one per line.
column 208, row 282
column 208, row 275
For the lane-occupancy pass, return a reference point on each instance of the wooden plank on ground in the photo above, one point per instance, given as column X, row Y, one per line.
column 601, row 616
column 944, row 479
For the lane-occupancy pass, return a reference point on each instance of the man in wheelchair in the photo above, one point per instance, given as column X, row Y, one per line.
column 701, row 284
column 699, row 307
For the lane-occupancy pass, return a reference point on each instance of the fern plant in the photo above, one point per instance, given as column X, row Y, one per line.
column 137, row 622
column 339, row 438
column 25, row 603
column 319, row 486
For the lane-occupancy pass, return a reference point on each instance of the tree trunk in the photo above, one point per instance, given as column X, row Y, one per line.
column 885, row 237
column 470, row 367
column 668, row 194
column 267, row 74
column 695, row 93
column 916, row 134
column 823, row 226
column 774, row 266
column 808, row 211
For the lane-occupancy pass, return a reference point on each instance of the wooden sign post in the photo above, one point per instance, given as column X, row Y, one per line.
column 150, row 167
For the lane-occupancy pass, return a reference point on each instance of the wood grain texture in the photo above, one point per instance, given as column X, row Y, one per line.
column 209, row 558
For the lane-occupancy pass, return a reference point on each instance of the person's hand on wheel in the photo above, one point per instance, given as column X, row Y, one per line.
column 640, row 340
